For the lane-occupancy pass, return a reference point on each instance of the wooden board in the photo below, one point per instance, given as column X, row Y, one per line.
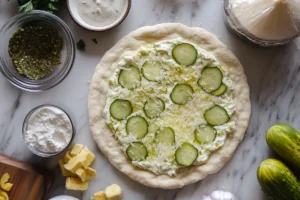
column 28, row 183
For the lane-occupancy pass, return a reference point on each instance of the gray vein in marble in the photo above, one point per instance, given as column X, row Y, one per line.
column 16, row 105
column 195, row 8
column 7, row 134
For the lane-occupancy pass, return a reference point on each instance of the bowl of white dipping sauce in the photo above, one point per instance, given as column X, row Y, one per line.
column 48, row 130
column 99, row 15
column 63, row 197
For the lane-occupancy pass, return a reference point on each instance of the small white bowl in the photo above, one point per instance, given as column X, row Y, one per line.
column 63, row 197
column 73, row 10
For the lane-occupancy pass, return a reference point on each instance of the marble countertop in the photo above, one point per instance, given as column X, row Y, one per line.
column 272, row 76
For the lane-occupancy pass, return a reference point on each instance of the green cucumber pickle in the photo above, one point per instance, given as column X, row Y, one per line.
column 285, row 141
column 277, row 181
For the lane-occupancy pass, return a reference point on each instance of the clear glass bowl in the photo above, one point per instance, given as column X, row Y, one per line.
column 234, row 25
column 67, row 57
column 24, row 129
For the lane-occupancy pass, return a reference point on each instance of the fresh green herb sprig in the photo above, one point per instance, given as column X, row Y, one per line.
column 47, row 5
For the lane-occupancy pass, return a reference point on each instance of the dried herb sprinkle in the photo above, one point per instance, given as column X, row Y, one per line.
column 80, row 45
column 95, row 41
column 35, row 50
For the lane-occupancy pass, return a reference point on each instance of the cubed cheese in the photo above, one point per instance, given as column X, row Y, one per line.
column 76, row 184
column 81, row 174
column 90, row 157
column 76, row 163
column 99, row 196
column 76, row 149
column 64, row 172
column 90, row 173
column 73, row 166
column 113, row 192
column 67, row 157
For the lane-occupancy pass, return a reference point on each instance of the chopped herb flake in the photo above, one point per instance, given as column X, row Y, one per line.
column 80, row 45
column 95, row 41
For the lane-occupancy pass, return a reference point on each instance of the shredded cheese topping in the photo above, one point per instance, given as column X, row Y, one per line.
column 183, row 119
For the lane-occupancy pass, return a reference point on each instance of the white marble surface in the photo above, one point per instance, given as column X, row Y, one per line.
column 272, row 76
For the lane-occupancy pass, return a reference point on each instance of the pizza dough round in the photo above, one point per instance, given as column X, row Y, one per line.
column 104, row 137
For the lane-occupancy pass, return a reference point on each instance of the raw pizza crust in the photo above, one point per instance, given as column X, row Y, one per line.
column 100, row 86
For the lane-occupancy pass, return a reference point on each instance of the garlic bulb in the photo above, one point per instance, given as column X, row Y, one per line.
column 220, row 195
column 268, row 19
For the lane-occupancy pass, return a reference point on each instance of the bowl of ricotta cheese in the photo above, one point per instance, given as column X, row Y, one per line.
column 48, row 130
column 99, row 15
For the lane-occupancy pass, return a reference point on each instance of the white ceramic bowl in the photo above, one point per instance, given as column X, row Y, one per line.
column 63, row 197
column 73, row 10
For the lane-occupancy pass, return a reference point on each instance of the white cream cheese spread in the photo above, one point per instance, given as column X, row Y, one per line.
column 101, row 13
column 183, row 119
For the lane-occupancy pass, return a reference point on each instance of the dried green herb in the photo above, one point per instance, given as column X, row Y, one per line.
column 80, row 45
column 95, row 41
column 35, row 50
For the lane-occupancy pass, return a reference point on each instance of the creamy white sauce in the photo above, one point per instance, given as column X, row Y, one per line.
column 175, row 116
column 101, row 13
